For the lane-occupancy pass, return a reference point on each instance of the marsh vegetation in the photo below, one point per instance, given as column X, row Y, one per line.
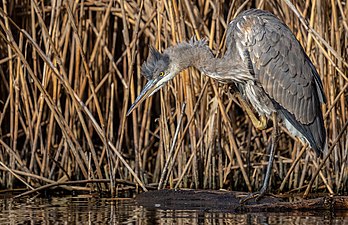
column 70, row 69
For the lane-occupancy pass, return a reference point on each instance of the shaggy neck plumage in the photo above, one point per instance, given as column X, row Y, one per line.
column 198, row 55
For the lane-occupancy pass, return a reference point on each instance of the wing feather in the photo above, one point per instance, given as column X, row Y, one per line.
column 282, row 69
column 280, row 65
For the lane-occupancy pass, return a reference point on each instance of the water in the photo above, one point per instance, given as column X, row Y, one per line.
column 87, row 210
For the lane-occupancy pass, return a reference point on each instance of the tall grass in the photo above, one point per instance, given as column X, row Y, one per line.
column 70, row 69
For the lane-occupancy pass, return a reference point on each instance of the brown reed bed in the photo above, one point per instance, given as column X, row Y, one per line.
column 70, row 71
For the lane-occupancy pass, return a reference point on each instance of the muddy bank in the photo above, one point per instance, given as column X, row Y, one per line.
column 224, row 200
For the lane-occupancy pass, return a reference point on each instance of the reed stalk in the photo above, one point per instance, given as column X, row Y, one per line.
column 69, row 71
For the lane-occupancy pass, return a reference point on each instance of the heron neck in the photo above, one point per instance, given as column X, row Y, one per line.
column 200, row 56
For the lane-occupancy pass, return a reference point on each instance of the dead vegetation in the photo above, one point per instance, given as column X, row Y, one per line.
column 70, row 69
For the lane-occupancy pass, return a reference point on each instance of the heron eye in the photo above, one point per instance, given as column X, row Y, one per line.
column 161, row 74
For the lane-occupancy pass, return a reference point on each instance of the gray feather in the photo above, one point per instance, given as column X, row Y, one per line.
column 283, row 70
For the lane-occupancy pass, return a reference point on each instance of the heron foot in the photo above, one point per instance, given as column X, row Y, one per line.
column 261, row 123
column 256, row 195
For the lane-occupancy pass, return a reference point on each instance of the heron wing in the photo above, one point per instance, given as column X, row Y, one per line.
column 279, row 64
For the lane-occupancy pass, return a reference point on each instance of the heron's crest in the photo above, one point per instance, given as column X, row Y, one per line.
column 155, row 63
column 198, row 43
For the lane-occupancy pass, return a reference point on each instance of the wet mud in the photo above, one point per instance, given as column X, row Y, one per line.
column 230, row 201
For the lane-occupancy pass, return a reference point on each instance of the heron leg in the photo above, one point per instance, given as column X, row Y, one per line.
column 261, row 123
column 271, row 147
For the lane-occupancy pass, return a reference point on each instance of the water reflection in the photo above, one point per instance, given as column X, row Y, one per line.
column 126, row 211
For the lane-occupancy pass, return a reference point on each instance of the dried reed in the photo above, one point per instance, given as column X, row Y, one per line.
column 70, row 69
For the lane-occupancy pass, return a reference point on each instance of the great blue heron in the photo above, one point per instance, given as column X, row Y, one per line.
column 269, row 67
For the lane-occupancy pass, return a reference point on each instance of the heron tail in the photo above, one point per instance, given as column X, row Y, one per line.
column 314, row 133
column 317, row 130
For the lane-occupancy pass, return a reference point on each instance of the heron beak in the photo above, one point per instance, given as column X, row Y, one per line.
column 149, row 89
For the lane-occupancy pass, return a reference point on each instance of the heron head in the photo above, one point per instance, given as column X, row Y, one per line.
column 157, row 71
